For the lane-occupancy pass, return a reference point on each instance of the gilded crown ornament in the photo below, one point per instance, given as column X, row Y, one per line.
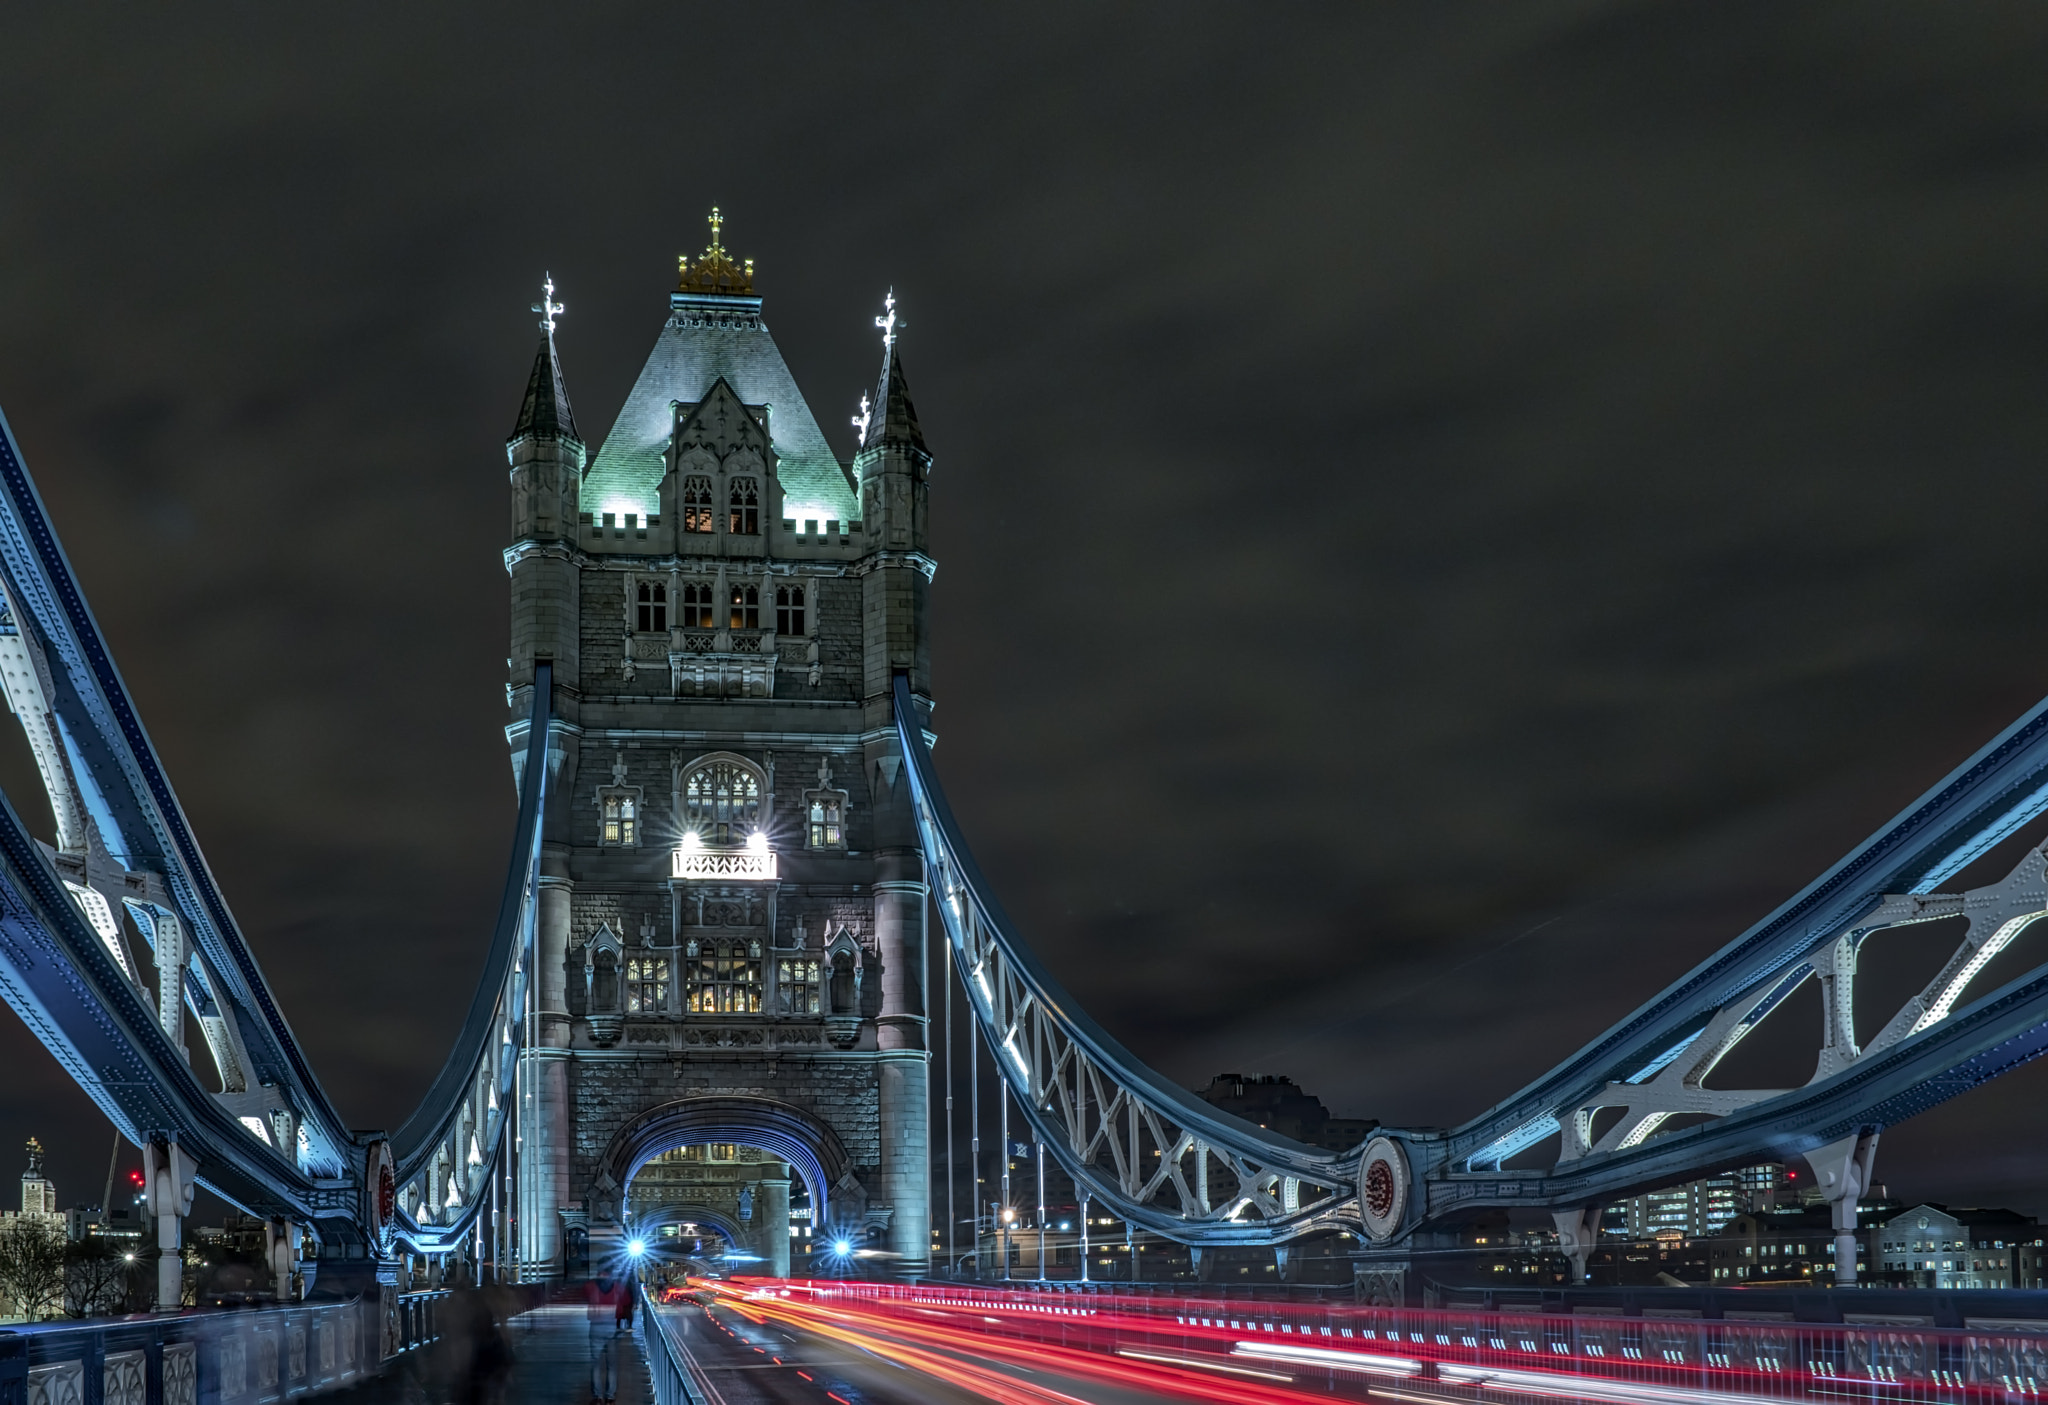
column 715, row 271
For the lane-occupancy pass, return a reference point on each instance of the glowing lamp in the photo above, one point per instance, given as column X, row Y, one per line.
column 692, row 841
column 842, row 1247
column 636, row 1247
column 757, row 843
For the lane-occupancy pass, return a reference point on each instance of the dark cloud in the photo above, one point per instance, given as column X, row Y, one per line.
column 1445, row 515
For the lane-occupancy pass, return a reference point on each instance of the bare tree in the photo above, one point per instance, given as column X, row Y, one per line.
column 32, row 1266
column 96, row 1278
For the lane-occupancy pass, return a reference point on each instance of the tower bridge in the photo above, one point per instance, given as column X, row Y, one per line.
column 731, row 837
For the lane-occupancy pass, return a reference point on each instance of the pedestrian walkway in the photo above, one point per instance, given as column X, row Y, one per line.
column 550, row 1365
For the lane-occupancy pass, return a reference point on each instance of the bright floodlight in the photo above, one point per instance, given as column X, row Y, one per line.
column 842, row 1247
column 692, row 841
column 757, row 842
column 636, row 1247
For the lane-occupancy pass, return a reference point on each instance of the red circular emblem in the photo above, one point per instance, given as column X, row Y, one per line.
column 1379, row 1189
column 387, row 1193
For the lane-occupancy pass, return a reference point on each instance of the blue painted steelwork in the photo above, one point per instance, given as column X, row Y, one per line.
column 1159, row 1157
column 276, row 1145
column 1189, row 1172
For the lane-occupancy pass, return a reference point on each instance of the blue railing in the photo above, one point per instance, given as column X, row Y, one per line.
column 235, row 1357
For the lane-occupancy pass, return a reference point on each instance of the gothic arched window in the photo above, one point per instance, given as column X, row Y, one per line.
column 789, row 609
column 744, row 519
column 724, row 976
column 796, row 985
column 722, row 800
column 651, row 612
column 696, row 607
column 746, row 607
column 620, row 818
column 647, row 985
column 696, row 504
column 825, row 822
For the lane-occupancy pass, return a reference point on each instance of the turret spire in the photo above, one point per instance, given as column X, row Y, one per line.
column 892, row 419
column 545, row 413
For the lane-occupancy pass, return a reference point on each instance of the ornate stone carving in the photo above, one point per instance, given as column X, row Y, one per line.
column 234, row 1365
column 181, row 1373
column 724, row 1037
column 59, row 1383
column 124, row 1378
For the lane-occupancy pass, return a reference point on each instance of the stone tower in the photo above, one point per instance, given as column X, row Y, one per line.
column 732, row 911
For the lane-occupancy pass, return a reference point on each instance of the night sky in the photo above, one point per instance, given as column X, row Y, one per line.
column 1445, row 514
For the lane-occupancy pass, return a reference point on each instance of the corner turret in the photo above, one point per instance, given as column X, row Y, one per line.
column 893, row 468
column 544, row 450
column 546, row 457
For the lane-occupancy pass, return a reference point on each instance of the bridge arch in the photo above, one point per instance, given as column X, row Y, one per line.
column 806, row 1142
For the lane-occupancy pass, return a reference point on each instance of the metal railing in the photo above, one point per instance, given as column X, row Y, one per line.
column 246, row 1356
column 667, row 1361
column 1590, row 1356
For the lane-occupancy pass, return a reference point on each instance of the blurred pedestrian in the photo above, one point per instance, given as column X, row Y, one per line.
column 609, row 1301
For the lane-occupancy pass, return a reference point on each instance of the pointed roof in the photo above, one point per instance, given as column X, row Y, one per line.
column 708, row 337
column 545, row 413
column 894, row 421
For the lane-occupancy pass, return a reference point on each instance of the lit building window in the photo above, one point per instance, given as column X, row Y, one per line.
column 696, row 605
column 825, row 830
column 746, row 607
column 796, row 985
column 724, row 977
column 619, row 819
column 722, row 801
column 789, row 609
column 651, row 611
column 696, row 504
column 744, row 518
column 647, row 986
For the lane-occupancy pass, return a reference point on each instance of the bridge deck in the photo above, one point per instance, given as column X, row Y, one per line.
column 550, row 1365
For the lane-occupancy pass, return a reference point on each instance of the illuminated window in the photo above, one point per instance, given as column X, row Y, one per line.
column 651, row 615
column 647, row 986
column 722, row 801
column 696, row 605
column 724, row 976
column 789, row 609
column 696, row 504
column 825, row 828
column 620, row 825
column 746, row 607
column 744, row 517
column 796, row 985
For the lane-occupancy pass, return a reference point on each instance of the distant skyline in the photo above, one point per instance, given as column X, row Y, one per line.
column 1443, row 516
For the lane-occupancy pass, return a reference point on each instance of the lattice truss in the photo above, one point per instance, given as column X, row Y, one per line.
column 441, row 1198
column 1122, row 1138
column 1674, row 1084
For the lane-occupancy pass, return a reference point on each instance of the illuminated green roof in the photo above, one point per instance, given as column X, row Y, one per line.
column 705, row 338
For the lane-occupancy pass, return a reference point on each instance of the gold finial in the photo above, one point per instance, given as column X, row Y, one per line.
column 715, row 272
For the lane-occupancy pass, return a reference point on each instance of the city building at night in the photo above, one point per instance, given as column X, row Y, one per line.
column 1934, row 1246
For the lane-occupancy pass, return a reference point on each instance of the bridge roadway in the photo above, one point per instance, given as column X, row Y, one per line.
column 732, row 1361
column 736, row 1361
